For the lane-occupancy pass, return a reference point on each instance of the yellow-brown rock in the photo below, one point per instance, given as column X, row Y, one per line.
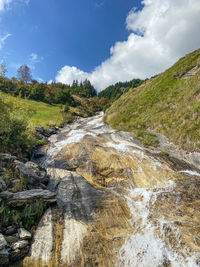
column 117, row 205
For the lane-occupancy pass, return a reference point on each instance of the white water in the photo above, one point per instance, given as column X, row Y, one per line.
column 191, row 172
column 144, row 248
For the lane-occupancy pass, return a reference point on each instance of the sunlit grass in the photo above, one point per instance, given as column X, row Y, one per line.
column 166, row 104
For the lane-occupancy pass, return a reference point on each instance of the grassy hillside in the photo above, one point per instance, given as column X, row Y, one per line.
column 168, row 104
column 40, row 113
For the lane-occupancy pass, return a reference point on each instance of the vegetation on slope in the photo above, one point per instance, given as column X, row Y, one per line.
column 168, row 104
column 113, row 92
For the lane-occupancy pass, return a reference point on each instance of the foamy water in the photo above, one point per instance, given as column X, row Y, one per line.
column 145, row 248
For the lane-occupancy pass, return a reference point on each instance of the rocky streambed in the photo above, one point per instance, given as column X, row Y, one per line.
column 118, row 204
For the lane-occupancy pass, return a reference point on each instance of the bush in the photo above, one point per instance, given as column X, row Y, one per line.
column 15, row 136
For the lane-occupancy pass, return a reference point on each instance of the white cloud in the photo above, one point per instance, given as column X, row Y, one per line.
column 33, row 59
column 160, row 33
column 40, row 80
column 3, row 39
column 4, row 4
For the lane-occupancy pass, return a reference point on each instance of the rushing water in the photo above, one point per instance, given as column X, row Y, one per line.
column 117, row 223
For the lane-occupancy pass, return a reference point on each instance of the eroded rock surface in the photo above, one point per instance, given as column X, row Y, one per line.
column 117, row 204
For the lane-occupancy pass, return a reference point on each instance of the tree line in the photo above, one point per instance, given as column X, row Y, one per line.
column 54, row 93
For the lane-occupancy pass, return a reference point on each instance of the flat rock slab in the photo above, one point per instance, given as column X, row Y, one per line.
column 20, row 198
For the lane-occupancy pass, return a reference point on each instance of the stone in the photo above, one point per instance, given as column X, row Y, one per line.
column 20, row 244
column 3, row 186
column 18, row 254
column 10, row 230
column 11, row 239
column 38, row 154
column 7, row 159
column 24, row 234
column 6, row 195
column 4, row 257
column 24, row 197
column 3, row 242
column 31, row 171
column 40, row 137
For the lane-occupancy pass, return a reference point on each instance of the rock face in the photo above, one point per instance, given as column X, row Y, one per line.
column 117, row 204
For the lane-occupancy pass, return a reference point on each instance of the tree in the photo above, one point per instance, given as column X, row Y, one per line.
column 3, row 70
column 24, row 74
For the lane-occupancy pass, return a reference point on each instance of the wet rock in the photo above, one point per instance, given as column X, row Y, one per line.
column 24, row 234
column 20, row 244
column 40, row 137
column 4, row 257
column 18, row 254
column 46, row 132
column 10, row 230
column 3, row 242
column 7, row 159
column 38, row 154
column 24, row 197
column 31, row 171
column 11, row 239
column 3, row 186
column 6, row 195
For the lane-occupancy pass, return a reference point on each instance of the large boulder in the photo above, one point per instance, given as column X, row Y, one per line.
column 31, row 171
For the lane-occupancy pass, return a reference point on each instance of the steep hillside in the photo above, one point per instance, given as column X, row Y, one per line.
column 168, row 104
column 113, row 92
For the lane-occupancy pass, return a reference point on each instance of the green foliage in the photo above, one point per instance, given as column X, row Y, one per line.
column 3, row 70
column 166, row 104
column 14, row 134
column 113, row 92
column 38, row 92
column 106, row 107
column 84, row 89
column 63, row 96
column 29, row 214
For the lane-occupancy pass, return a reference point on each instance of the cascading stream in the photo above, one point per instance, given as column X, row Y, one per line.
column 116, row 204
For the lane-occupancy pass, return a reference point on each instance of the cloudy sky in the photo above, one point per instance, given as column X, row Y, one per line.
column 103, row 40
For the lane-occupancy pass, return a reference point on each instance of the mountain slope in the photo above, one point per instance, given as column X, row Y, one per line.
column 168, row 104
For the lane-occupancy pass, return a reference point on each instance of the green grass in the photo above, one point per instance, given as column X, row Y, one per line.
column 165, row 104
column 41, row 114
column 45, row 115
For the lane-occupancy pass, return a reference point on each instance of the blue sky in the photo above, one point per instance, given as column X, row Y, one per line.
column 49, row 34
column 103, row 40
